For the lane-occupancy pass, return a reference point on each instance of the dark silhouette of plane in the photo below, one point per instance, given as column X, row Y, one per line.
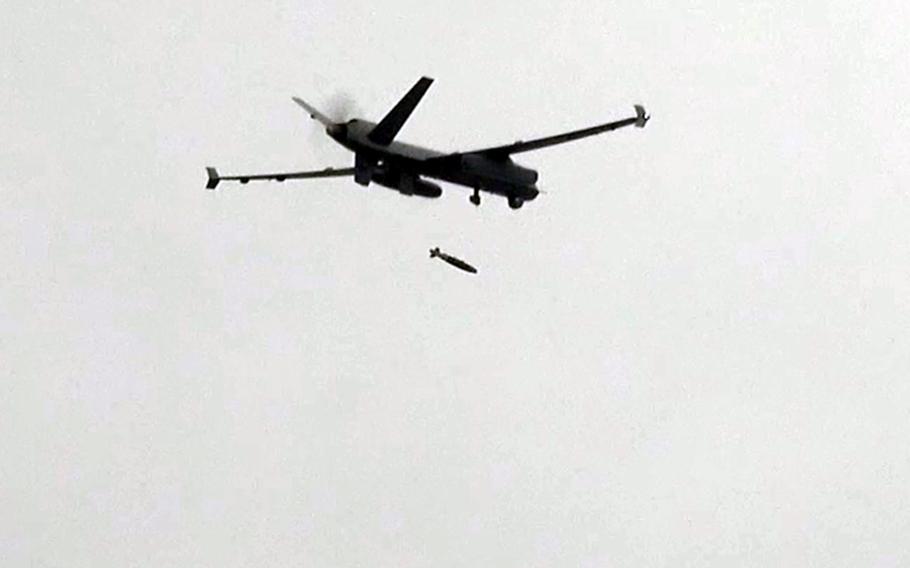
column 379, row 158
column 456, row 262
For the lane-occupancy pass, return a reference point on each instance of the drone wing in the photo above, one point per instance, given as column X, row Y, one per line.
column 214, row 178
column 639, row 120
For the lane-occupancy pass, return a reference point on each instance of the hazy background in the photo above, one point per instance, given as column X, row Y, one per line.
column 693, row 350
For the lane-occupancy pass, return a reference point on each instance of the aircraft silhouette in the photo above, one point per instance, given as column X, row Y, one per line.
column 379, row 158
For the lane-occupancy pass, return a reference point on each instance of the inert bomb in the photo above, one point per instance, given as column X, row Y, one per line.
column 456, row 262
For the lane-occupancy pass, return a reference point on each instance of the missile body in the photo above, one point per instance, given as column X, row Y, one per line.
column 456, row 262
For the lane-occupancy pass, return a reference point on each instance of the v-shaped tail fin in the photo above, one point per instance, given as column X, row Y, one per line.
column 388, row 127
column 311, row 110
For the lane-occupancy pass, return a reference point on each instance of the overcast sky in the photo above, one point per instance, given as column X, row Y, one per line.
column 693, row 350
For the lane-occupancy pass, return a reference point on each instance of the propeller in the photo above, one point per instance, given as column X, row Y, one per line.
column 342, row 107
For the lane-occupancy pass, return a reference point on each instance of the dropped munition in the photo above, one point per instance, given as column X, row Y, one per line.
column 456, row 262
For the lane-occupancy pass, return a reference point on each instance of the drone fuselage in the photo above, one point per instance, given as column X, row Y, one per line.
column 400, row 165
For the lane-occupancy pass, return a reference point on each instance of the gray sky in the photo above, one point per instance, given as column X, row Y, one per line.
column 693, row 350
